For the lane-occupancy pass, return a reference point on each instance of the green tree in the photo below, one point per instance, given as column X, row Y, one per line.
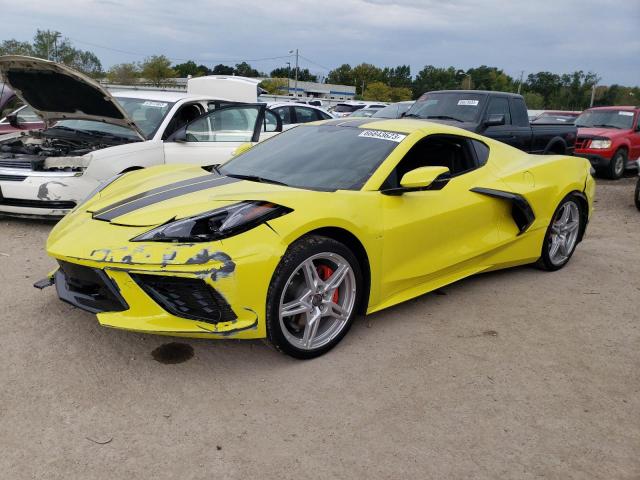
column 364, row 74
column 221, row 69
column 275, row 86
column 377, row 91
column 544, row 84
column 157, row 70
column 399, row 76
column 191, row 68
column 490, row 78
column 304, row 75
column 15, row 47
column 534, row 101
column 123, row 73
column 400, row 94
column 245, row 70
column 343, row 75
column 435, row 78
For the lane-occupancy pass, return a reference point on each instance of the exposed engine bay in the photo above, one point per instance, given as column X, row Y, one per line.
column 49, row 150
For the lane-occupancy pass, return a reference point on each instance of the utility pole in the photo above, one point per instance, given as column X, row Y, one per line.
column 593, row 95
column 520, row 82
column 288, row 78
column 296, row 83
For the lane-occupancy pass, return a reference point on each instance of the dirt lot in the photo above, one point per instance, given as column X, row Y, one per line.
column 509, row 375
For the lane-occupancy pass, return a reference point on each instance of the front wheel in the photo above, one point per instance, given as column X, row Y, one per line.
column 617, row 165
column 562, row 234
column 637, row 194
column 313, row 297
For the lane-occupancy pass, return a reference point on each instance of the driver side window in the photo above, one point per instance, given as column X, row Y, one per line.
column 224, row 125
column 458, row 154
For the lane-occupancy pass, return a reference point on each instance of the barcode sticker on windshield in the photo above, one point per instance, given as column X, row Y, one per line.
column 149, row 103
column 391, row 136
column 626, row 114
column 473, row 103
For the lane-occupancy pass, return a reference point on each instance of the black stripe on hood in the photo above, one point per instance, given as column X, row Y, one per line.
column 160, row 194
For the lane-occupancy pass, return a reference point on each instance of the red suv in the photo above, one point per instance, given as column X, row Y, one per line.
column 610, row 138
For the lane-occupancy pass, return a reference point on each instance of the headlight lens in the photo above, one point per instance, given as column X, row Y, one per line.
column 600, row 143
column 221, row 223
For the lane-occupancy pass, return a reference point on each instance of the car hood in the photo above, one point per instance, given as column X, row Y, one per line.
column 601, row 132
column 158, row 195
column 58, row 92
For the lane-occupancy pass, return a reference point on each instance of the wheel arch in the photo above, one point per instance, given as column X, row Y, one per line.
column 354, row 244
column 556, row 146
column 583, row 203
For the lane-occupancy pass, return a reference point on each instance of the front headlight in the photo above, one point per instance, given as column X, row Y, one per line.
column 600, row 143
column 215, row 225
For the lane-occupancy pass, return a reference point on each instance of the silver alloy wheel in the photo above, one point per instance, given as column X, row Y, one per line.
column 618, row 166
column 564, row 232
column 310, row 316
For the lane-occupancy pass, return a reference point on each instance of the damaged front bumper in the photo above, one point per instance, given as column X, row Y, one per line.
column 189, row 290
column 42, row 193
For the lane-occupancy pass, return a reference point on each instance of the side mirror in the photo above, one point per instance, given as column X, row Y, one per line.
column 420, row 179
column 494, row 119
column 242, row 148
column 13, row 120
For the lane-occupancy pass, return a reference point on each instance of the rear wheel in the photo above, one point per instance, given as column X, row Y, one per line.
column 637, row 194
column 562, row 235
column 617, row 165
column 313, row 297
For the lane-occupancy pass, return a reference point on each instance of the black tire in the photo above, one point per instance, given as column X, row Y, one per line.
column 545, row 262
column 297, row 253
column 637, row 194
column 615, row 170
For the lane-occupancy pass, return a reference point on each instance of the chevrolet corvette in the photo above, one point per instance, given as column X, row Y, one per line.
column 294, row 237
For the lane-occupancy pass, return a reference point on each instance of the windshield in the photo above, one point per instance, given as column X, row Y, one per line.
column 147, row 114
column 395, row 110
column 365, row 112
column 463, row 107
column 317, row 157
column 622, row 119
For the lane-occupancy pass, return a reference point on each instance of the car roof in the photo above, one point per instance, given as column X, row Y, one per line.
column 156, row 95
column 292, row 104
column 616, row 107
column 481, row 92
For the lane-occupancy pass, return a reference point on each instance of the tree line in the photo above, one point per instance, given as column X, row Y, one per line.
column 567, row 91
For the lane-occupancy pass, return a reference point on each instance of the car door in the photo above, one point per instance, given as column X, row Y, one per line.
column 436, row 235
column 213, row 137
column 635, row 140
column 503, row 133
column 305, row 114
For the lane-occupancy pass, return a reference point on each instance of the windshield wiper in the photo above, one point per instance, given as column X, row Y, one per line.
column 444, row 117
column 107, row 134
column 411, row 115
column 604, row 125
column 74, row 130
column 255, row 178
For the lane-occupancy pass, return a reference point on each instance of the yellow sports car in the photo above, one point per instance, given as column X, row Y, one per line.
column 295, row 236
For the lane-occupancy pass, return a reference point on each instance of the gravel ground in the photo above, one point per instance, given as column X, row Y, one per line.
column 511, row 375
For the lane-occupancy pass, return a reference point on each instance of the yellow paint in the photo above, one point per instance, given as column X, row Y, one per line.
column 415, row 242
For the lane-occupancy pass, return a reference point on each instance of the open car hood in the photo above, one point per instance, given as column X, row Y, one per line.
column 57, row 92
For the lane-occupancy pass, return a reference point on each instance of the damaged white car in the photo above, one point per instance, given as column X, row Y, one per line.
column 92, row 135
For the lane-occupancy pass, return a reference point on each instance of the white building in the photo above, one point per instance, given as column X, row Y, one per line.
column 328, row 91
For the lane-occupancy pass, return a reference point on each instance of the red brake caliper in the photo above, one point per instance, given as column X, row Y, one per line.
column 324, row 272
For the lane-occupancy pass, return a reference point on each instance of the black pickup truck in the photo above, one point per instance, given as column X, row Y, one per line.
column 498, row 115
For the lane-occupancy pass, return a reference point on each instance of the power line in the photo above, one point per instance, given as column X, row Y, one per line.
column 137, row 54
column 316, row 64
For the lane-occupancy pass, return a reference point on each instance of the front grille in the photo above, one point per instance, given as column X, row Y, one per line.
column 186, row 297
column 51, row 204
column 8, row 163
column 88, row 288
column 582, row 142
column 12, row 178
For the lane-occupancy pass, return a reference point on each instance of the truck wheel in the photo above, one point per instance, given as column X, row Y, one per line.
column 637, row 194
column 617, row 164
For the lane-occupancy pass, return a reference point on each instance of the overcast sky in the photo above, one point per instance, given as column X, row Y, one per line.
column 555, row 35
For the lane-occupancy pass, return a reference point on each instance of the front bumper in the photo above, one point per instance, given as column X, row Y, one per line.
column 31, row 193
column 597, row 160
column 187, row 290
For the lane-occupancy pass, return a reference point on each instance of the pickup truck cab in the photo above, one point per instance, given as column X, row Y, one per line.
column 609, row 137
column 498, row 115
